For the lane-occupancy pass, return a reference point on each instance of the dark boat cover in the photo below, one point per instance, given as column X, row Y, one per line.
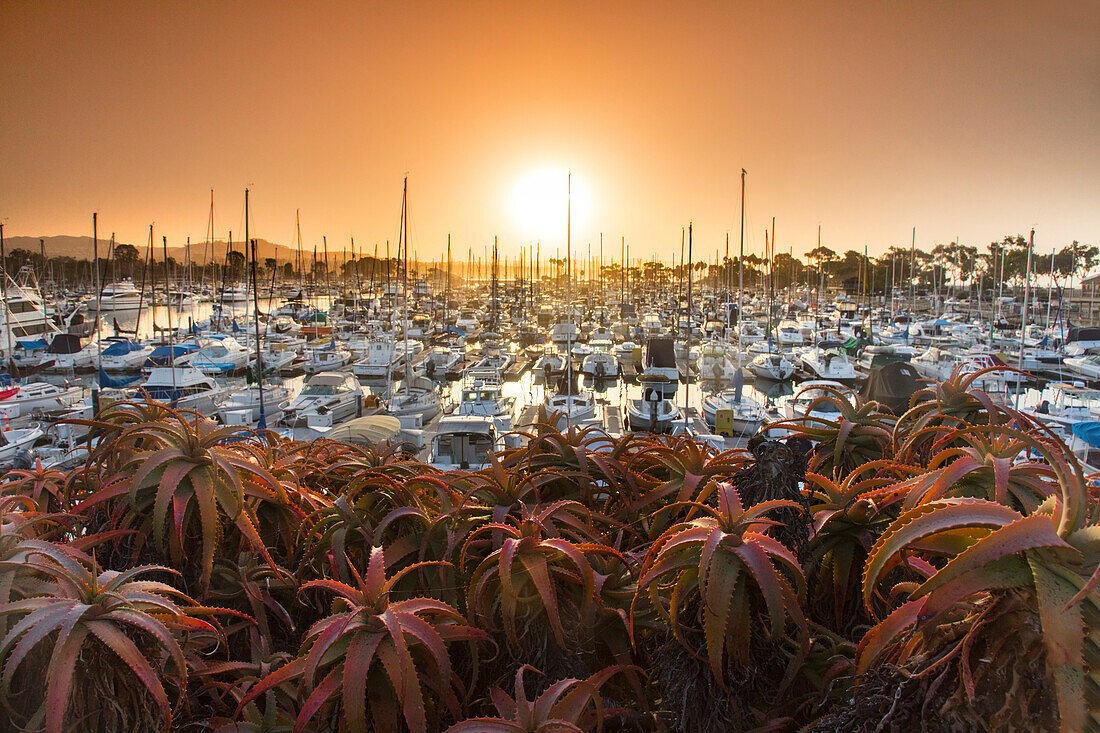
column 892, row 385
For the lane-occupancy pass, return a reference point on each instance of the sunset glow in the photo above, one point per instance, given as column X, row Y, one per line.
column 539, row 199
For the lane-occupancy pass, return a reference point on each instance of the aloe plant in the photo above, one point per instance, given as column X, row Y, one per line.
column 568, row 705
column 986, row 550
column 375, row 656
column 189, row 481
column 724, row 562
column 112, row 639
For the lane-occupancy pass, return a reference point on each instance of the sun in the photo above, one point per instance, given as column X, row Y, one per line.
column 539, row 200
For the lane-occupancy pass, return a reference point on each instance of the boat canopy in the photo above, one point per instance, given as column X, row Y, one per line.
column 121, row 347
column 891, row 385
column 372, row 429
column 32, row 344
column 64, row 343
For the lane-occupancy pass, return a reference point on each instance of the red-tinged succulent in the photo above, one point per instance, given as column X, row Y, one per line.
column 45, row 486
column 953, row 403
column 984, row 461
column 343, row 532
column 567, row 706
column 250, row 585
column 846, row 521
column 375, row 656
column 720, row 569
column 191, row 482
column 860, row 432
column 671, row 471
column 987, row 557
column 530, row 576
column 114, row 658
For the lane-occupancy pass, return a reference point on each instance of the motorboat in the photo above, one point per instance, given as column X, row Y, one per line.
column 443, row 361
column 382, row 358
column 120, row 295
column 326, row 358
column 467, row 321
column 798, row 405
column 828, row 362
column 414, row 401
column 773, row 365
column 327, row 399
column 874, row 356
column 788, row 334
column 1087, row 366
column 714, row 362
column 653, row 412
column 550, row 362
column 659, row 361
column 564, row 332
column 571, row 404
column 217, row 356
column 600, row 363
column 13, row 440
column 235, row 294
column 23, row 399
column 483, row 395
column 122, row 355
column 1067, row 405
column 182, row 387
column 242, row 407
column 463, row 442
column 731, row 411
column 66, row 352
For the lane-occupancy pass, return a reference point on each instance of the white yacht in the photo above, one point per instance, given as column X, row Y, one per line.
column 467, row 321
column 483, row 396
column 715, row 363
column 601, row 362
column 659, row 364
column 383, row 357
column 564, row 332
column 326, row 358
column 326, row 399
column 120, row 295
column 443, row 361
column 797, row 405
column 788, row 334
column 773, row 365
column 122, row 354
column 235, row 294
column 1067, row 405
column 654, row 412
column 14, row 440
column 739, row 413
column 23, row 314
column 216, row 356
column 182, row 387
column 414, row 401
column 821, row 362
column 242, row 407
column 1088, row 366
column 463, row 442
column 23, row 399
column 572, row 404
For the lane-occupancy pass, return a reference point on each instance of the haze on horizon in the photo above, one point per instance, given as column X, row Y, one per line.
column 968, row 120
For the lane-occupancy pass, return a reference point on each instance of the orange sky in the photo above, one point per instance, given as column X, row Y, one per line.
column 974, row 119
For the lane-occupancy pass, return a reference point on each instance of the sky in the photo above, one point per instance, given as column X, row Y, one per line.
column 968, row 120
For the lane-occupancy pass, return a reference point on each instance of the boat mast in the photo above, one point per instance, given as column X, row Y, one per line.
column 262, row 424
column 568, row 290
column 741, row 266
column 687, row 382
column 405, row 280
column 1023, row 316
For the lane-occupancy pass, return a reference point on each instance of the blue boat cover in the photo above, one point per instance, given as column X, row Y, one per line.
column 1088, row 432
column 33, row 344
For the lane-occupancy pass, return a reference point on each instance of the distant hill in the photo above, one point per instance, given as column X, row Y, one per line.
column 81, row 248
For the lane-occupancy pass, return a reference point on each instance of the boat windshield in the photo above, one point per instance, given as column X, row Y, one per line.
column 323, row 390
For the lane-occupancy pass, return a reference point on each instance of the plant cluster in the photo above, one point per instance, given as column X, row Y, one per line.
column 936, row 570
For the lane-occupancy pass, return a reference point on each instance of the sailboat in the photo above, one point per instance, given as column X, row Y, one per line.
column 415, row 399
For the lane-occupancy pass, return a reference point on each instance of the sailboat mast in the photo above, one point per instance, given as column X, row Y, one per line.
column 405, row 277
column 741, row 263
